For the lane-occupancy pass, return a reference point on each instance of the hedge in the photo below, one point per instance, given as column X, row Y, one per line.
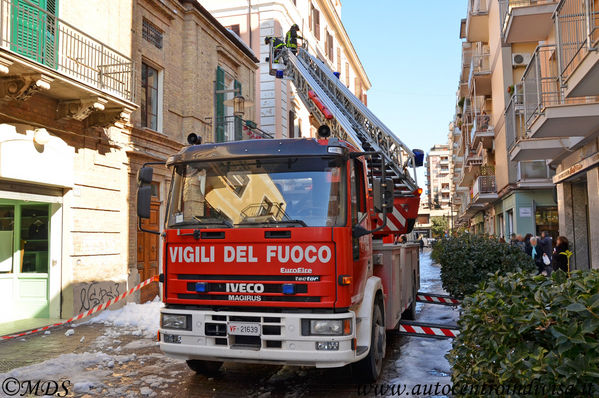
column 519, row 330
column 467, row 260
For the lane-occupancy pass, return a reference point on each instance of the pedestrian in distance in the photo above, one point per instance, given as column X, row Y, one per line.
column 520, row 243
column 561, row 256
column 536, row 252
column 547, row 244
column 421, row 243
column 527, row 244
column 291, row 38
column 513, row 239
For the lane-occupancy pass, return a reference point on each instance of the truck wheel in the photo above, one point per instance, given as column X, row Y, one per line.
column 204, row 367
column 370, row 368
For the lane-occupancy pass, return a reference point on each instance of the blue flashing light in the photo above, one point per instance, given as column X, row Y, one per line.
column 288, row 288
column 201, row 287
column 337, row 74
column 279, row 74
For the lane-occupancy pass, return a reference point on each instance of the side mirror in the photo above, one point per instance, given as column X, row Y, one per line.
column 144, row 198
column 382, row 192
column 144, row 175
column 418, row 157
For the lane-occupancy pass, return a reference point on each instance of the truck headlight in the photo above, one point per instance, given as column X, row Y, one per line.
column 175, row 321
column 326, row 327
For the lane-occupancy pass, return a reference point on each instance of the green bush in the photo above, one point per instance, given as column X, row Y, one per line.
column 518, row 329
column 467, row 260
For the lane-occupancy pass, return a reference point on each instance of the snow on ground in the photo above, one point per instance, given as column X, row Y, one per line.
column 144, row 318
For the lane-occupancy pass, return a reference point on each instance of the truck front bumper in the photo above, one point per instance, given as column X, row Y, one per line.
column 280, row 342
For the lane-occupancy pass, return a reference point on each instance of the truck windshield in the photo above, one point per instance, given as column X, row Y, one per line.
column 241, row 193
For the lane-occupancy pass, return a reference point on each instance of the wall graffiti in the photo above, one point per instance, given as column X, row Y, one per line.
column 89, row 295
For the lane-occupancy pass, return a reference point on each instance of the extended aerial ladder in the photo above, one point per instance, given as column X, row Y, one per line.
column 334, row 105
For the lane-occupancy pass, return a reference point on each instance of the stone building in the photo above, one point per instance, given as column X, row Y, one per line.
column 88, row 93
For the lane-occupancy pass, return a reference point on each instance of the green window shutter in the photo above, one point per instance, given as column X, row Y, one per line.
column 238, row 120
column 220, row 105
column 33, row 31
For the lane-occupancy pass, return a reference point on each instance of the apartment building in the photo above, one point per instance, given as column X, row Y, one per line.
column 544, row 78
column 66, row 97
column 88, row 93
column 438, row 181
column 500, row 192
column 280, row 109
column 196, row 76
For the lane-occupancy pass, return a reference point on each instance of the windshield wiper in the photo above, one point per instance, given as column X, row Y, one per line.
column 275, row 222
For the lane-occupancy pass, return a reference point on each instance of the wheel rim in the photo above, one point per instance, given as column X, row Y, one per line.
column 379, row 343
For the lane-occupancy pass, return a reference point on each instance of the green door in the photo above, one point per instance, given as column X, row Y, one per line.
column 34, row 29
column 24, row 260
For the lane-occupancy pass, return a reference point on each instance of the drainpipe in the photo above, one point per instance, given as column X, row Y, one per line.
column 250, row 20
column 588, row 22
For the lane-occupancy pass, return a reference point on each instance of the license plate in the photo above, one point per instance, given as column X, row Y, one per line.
column 243, row 329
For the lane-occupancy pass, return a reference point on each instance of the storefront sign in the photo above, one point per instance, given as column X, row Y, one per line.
column 525, row 212
column 576, row 168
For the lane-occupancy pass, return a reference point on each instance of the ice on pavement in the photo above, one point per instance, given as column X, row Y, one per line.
column 69, row 332
column 421, row 360
column 145, row 318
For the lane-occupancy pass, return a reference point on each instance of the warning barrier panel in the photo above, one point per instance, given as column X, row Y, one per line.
column 430, row 330
column 433, row 298
column 86, row 313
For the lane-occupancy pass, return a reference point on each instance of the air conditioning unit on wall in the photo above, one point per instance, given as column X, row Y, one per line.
column 520, row 59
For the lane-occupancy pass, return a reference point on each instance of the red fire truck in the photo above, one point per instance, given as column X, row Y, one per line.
column 274, row 249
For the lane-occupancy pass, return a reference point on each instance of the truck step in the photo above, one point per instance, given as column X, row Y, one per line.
column 433, row 298
column 429, row 330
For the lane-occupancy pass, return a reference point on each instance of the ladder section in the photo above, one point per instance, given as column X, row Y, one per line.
column 372, row 134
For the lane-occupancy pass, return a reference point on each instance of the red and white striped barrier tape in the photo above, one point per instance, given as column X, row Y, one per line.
column 86, row 313
column 436, row 299
column 436, row 331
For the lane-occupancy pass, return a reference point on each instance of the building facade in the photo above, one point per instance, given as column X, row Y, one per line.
column 280, row 110
column 194, row 77
column 88, row 93
column 538, row 63
column 500, row 193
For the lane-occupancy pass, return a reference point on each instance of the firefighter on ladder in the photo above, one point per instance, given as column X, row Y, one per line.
column 291, row 38
column 277, row 45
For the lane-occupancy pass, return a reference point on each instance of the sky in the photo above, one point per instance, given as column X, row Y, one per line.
column 411, row 51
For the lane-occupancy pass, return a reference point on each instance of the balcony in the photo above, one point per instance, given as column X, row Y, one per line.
column 534, row 174
column 479, row 80
column 577, row 22
column 547, row 113
column 526, row 20
column 481, row 132
column 234, row 128
column 477, row 21
column 484, row 190
column 42, row 53
column 466, row 61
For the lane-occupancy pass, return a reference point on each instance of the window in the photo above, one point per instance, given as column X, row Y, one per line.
column 151, row 33
column 234, row 29
column 315, row 21
column 150, row 89
column 347, row 74
column 358, row 88
column 330, row 49
column 338, row 59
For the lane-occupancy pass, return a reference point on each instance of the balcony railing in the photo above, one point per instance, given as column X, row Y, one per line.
column 540, row 82
column 234, row 128
column 484, row 185
column 40, row 36
column 481, row 125
column 578, row 32
column 506, row 7
column 477, row 7
column 515, row 128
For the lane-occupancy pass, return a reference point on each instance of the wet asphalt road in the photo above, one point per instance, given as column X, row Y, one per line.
column 138, row 367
